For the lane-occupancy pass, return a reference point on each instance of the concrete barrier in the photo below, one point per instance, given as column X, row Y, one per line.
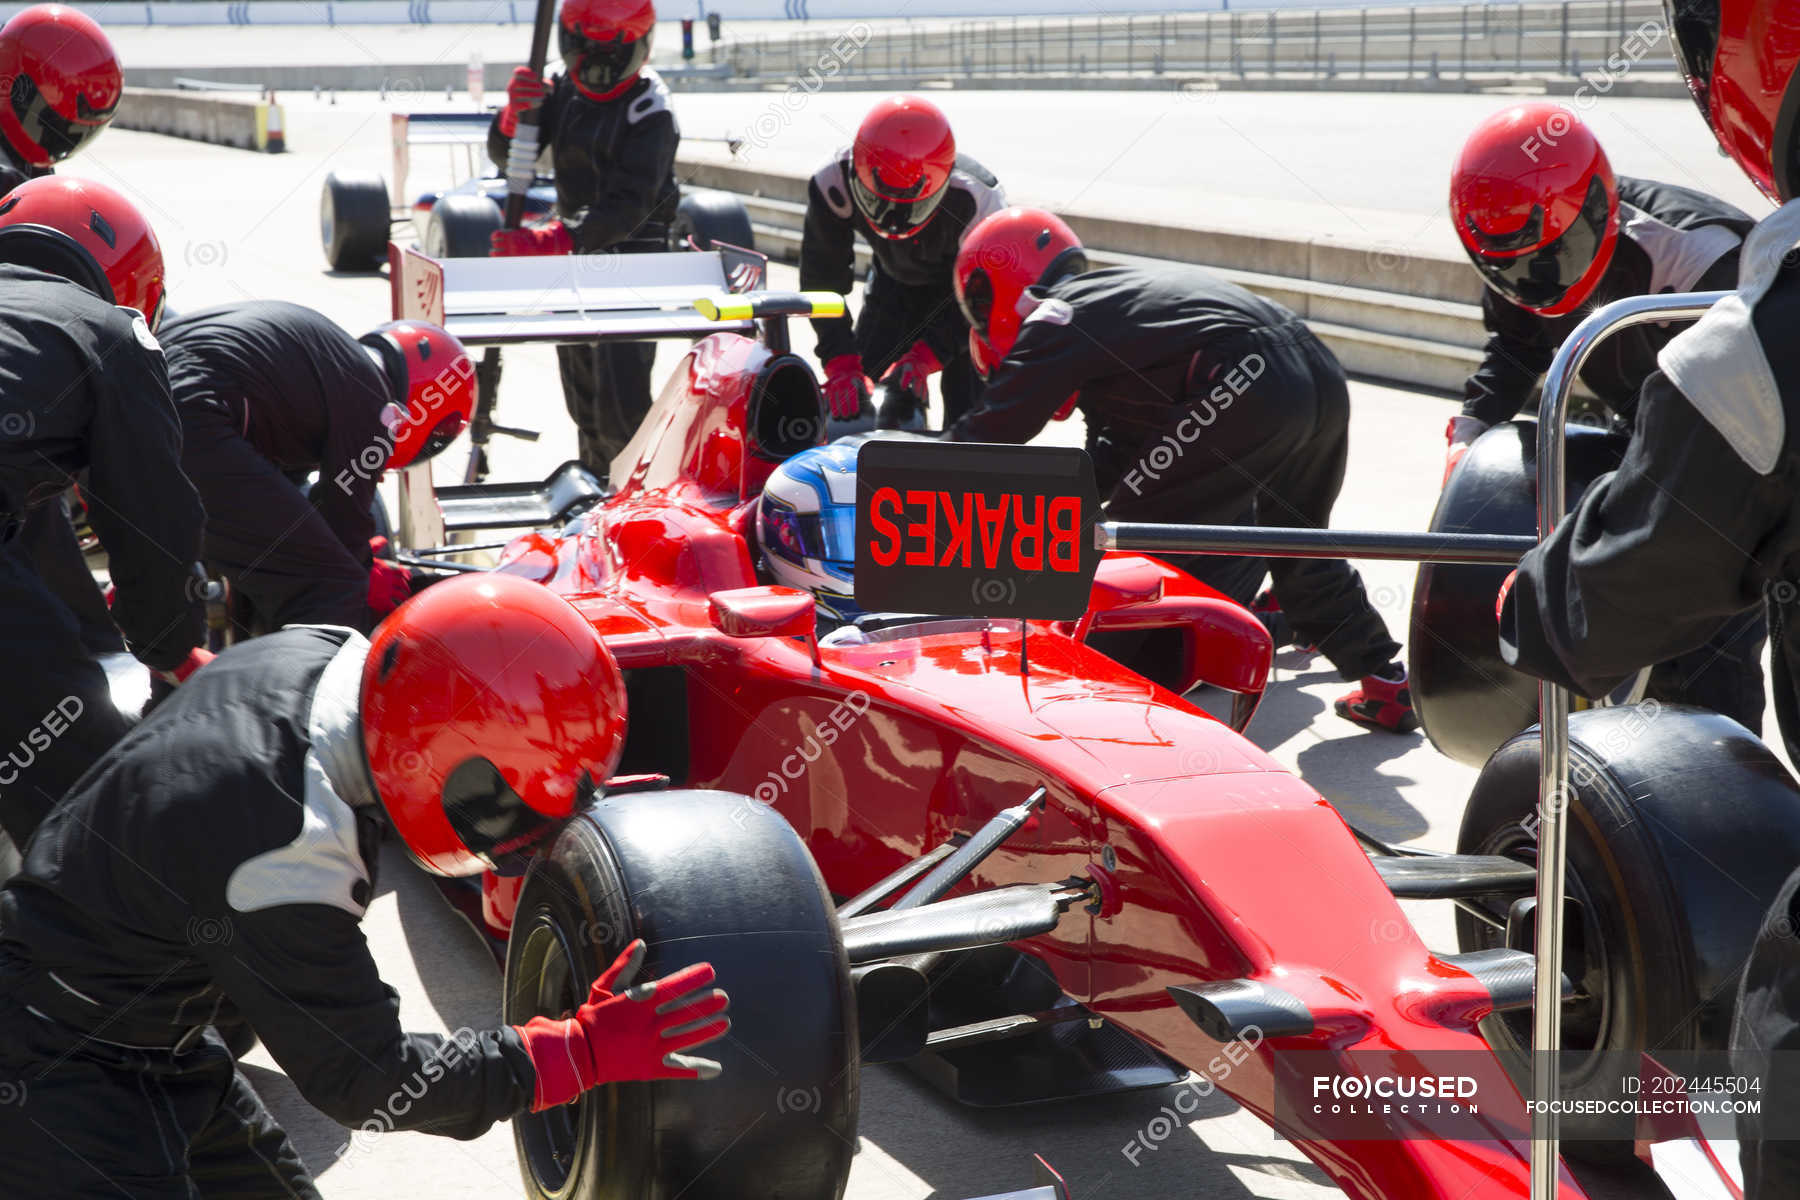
column 1387, row 313
column 224, row 119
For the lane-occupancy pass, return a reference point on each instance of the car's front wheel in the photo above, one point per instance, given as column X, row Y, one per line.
column 701, row 877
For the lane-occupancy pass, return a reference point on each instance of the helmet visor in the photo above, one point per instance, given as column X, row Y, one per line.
column 977, row 300
column 57, row 134
column 828, row 536
column 489, row 818
column 599, row 67
column 893, row 218
column 1540, row 278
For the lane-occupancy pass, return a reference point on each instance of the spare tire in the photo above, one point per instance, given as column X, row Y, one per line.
column 461, row 226
column 700, row 876
column 353, row 220
column 708, row 217
column 1682, row 829
column 1468, row 700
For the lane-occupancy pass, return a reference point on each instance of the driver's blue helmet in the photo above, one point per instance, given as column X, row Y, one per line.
column 806, row 525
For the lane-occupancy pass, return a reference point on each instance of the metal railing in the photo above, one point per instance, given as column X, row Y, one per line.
column 1566, row 38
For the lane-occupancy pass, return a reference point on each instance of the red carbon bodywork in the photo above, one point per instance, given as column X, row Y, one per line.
column 1223, row 864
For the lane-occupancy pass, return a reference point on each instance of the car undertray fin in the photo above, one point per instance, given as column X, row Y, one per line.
column 989, row 918
column 1455, row 876
column 1227, row 1009
column 972, row 853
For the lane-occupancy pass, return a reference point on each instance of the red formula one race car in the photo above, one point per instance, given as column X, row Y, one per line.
column 979, row 843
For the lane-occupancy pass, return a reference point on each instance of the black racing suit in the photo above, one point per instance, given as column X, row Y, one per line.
column 83, row 392
column 268, row 390
column 908, row 297
column 1204, row 404
column 616, row 193
column 47, row 538
column 226, row 847
column 1702, row 520
column 1670, row 239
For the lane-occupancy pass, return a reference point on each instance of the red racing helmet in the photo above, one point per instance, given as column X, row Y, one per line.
column 605, row 43
column 491, row 712
column 1739, row 57
column 1010, row 251
column 901, row 160
column 433, row 381
column 1534, row 202
column 65, row 82
column 88, row 233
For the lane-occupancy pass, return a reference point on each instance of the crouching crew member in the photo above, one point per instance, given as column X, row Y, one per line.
column 612, row 138
column 1700, row 520
column 1555, row 236
column 268, row 391
column 83, row 392
column 1203, row 403
column 903, row 187
column 228, row 847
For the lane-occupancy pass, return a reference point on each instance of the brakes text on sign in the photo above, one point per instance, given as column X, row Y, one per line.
column 927, row 528
column 975, row 530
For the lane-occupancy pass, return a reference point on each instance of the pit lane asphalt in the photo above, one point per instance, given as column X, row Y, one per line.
column 239, row 225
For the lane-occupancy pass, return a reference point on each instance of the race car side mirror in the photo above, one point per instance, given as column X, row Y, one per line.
column 1223, row 645
column 765, row 612
column 1122, row 581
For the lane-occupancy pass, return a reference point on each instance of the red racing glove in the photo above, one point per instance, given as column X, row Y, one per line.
column 912, row 369
column 551, row 238
column 621, row 1035
column 846, row 387
column 1461, row 433
column 182, row 671
column 1506, row 587
column 390, row 584
column 524, row 92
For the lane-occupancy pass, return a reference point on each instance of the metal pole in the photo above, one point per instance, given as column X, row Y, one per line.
column 1272, row 542
column 1553, row 716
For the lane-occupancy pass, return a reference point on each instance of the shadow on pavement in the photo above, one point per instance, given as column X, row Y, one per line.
column 989, row 1150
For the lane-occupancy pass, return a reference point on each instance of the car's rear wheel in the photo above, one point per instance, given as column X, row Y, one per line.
column 700, row 876
column 353, row 220
column 1682, row 828
column 708, row 217
column 460, row 226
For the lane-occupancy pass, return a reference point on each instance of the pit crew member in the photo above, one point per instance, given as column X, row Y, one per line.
column 1203, row 403
column 1555, row 235
column 476, row 723
column 68, row 84
column 904, row 188
column 612, row 138
column 268, row 391
column 83, row 389
column 65, row 84
column 1698, row 522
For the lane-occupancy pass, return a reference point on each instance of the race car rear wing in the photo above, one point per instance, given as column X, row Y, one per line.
column 572, row 297
column 448, row 129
